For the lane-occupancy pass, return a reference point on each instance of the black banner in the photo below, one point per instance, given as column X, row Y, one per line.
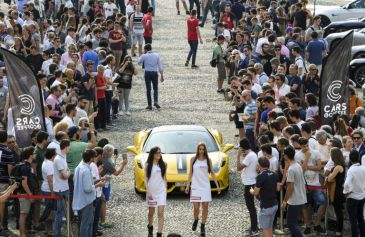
column 25, row 98
column 334, row 95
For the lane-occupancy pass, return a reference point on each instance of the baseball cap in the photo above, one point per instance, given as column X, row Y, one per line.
column 289, row 29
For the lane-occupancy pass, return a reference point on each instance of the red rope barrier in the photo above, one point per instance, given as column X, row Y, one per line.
column 35, row 196
column 316, row 187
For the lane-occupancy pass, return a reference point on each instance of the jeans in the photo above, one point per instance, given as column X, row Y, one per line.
column 124, row 99
column 193, row 48
column 121, row 6
column 292, row 220
column 100, row 120
column 197, row 4
column 86, row 220
column 355, row 208
column 57, row 224
column 250, row 203
column 206, row 11
column 96, row 215
column 50, row 206
column 108, row 97
column 251, row 138
column 151, row 77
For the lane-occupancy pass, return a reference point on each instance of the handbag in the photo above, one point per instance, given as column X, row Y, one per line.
column 213, row 62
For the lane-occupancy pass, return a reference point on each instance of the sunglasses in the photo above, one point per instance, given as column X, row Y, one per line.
column 356, row 138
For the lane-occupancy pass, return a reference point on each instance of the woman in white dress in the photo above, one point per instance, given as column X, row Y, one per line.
column 200, row 168
column 155, row 181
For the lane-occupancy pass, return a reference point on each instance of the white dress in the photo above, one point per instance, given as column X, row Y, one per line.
column 200, row 184
column 157, row 188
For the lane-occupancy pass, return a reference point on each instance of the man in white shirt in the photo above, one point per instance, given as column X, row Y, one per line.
column 298, row 61
column 60, row 183
column 248, row 167
column 283, row 89
column 70, row 114
column 109, row 8
column 67, row 56
column 311, row 166
column 354, row 188
column 70, row 38
column 55, row 144
column 81, row 112
column 274, row 161
column 295, row 196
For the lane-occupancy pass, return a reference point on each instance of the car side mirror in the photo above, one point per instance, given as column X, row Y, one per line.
column 132, row 149
column 227, row 147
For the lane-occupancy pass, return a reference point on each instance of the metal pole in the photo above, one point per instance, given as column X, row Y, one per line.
column 281, row 212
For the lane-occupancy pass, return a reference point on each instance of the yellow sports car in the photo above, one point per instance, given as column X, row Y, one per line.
column 178, row 144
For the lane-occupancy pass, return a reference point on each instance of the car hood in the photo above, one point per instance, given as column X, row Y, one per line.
column 178, row 164
column 321, row 9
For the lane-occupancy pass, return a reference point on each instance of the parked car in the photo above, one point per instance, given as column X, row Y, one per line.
column 329, row 14
column 359, row 38
column 357, row 71
column 358, row 51
column 341, row 26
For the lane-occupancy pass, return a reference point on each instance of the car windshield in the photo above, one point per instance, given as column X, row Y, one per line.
column 180, row 142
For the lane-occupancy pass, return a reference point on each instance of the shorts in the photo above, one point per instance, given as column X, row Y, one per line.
column 3, row 187
column 221, row 67
column 106, row 192
column 318, row 197
column 137, row 38
column 239, row 124
column 147, row 40
column 267, row 216
column 24, row 205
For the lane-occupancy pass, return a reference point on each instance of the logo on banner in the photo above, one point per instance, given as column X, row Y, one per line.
column 27, row 104
column 333, row 93
column 27, row 109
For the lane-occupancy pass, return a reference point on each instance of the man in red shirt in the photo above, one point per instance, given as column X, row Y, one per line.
column 100, row 82
column 229, row 18
column 147, row 26
column 116, row 39
column 193, row 36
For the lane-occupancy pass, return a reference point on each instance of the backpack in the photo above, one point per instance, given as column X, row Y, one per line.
column 16, row 172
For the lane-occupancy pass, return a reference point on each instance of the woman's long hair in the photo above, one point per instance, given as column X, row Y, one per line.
column 337, row 157
column 205, row 155
column 149, row 162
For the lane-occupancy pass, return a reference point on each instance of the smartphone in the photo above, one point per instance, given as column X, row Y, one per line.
column 125, row 156
column 116, row 152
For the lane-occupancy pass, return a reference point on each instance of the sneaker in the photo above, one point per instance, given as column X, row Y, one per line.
column 187, row 13
column 319, row 229
column 178, row 12
column 39, row 227
column 220, row 91
column 195, row 225
column 186, row 63
column 106, row 225
column 106, row 129
column 128, row 113
column 157, row 106
column 194, row 66
column 202, row 230
column 307, row 231
column 237, row 146
column 251, row 233
column 278, row 232
column 121, row 112
column 149, row 108
column 201, row 25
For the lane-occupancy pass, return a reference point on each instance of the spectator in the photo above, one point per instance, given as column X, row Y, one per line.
column 148, row 26
column 84, row 193
column 193, row 36
column 338, row 175
column 295, row 195
column 248, row 168
column 354, row 189
column 267, row 183
column 218, row 56
column 70, row 115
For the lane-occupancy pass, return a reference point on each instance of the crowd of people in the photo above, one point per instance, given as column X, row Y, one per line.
column 268, row 56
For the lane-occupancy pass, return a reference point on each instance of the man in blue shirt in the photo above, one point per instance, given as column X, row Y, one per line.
column 151, row 63
column 315, row 51
column 85, row 193
column 90, row 55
